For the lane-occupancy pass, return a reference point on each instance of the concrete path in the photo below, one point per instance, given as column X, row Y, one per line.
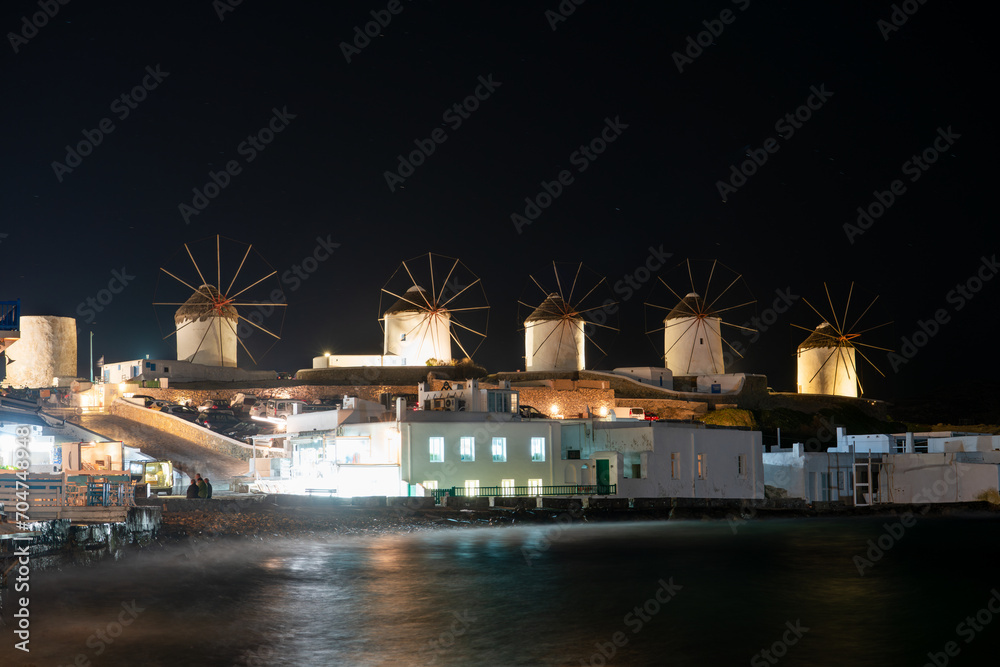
column 187, row 456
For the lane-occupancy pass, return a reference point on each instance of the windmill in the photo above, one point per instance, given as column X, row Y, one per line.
column 572, row 312
column 428, row 303
column 693, row 334
column 827, row 359
column 210, row 322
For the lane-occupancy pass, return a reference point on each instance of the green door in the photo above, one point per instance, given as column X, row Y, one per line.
column 603, row 473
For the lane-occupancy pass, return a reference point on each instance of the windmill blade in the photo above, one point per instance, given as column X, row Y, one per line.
column 739, row 326
column 258, row 326
column 858, row 333
column 693, row 289
column 240, row 268
column 732, row 348
column 218, row 270
column 874, row 347
column 848, row 306
column 679, row 338
column 174, row 332
column 599, row 283
column 579, row 267
column 203, row 281
column 711, row 354
column 722, row 310
column 414, row 281
column 459, row 310
column 676, row 295
column 193, row 289
column 833, row 311
column 600, row 307
column 708, row 285
column 870, row 362
column 437, row 298
column 403, row 298
column 240, row 341
column 459, row 293
column 454, row 321
column 857, row 376
column 709, row 307
column 592, row 341
column 430, row 265
column 253, row 284
column 459, row 343
column 562, row 295
column 822, row 317
column 858, row 321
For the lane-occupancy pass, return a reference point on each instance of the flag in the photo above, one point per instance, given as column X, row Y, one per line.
column 100, row 362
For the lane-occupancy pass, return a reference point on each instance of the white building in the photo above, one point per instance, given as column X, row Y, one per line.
column 416, row 331
column 172, row 370
column 905, row 468
column 554, row 337
column 692, row 338
column 826, row 364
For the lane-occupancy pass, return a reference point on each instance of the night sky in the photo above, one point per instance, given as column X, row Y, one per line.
column 212, row 76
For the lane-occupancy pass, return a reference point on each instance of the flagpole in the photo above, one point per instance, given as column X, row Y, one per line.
column 91, row 357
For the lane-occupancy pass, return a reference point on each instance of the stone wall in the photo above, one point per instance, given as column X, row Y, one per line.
column 307, row 393
column 182, row 429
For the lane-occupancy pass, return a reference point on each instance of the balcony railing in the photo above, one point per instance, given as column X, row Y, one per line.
column 531, row 491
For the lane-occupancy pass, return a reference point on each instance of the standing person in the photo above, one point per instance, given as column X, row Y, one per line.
column 192, row 491
column 202, row 488
column 208, row 486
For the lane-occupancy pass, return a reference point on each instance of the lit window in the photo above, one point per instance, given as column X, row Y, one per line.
column 402, row 337
column 538, row 449
column 507, row 487
column 535, row 486
column 467, row 448
column 499, row 450
column 472, row 487
column 701, row 466
column 437, row 449
column 430, row 484
column 675, row 465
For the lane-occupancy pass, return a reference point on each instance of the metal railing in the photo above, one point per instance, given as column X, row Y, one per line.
column 10, row 315
column 530, row 491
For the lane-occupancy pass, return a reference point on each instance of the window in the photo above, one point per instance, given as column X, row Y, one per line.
column 402, row 337
column 741, row 465
column 472, row 487
column 538, row 449
column 701, row 466
column 507, row 487
column 430, row 484
column 437, row 449
column 499, row 450
column 675, row 465
column 467, row 448
column 535, row 486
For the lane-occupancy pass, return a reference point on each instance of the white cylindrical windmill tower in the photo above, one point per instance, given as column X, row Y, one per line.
column 417, row 331
column 692, row 338
column 46, row 350
column 206, row 329
column 553, row 337
column 826, row 364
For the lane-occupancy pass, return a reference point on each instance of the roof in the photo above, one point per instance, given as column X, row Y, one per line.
column 691, row 305
column 202, row 305
column 824, row 336
column 553, row 308
column 415, row 300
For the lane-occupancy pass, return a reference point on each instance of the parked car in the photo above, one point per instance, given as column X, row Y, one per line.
column 528, row 412
column 217, row 420
column 140, row 399
column 157, row 405
column 241, row 403
column 214, row 404
column 280, row 408
column 182, row 411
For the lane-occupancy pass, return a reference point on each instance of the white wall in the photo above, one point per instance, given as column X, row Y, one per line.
column 693, row 346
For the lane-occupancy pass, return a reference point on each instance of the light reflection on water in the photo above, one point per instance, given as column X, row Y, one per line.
column 546, row 595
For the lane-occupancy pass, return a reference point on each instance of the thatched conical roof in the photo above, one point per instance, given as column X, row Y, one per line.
column 824, row 336
column 553, row 308
column 415, row 300
column 690, row 306
column 202, row 305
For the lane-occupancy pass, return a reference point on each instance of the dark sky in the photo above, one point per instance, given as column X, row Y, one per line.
column 679, row 133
